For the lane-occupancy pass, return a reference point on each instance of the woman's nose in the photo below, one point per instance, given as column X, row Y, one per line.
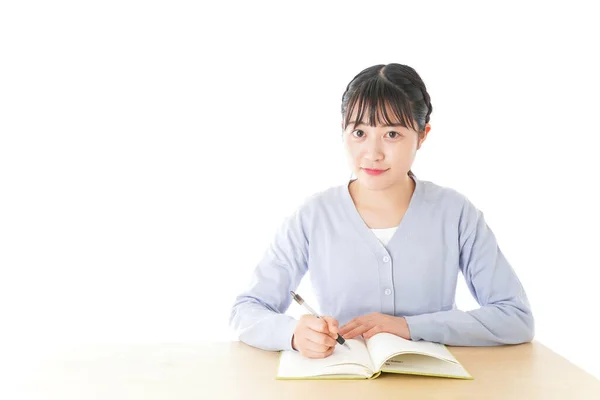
column 373, row 150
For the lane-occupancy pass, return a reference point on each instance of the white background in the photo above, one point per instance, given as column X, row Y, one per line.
column 150, row 150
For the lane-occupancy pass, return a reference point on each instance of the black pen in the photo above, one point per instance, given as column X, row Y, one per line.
column 301, row 301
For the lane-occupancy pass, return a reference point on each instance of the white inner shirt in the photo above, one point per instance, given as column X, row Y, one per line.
column 384, row 235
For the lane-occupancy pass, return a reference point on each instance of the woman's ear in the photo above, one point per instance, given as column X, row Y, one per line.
column 423, row 136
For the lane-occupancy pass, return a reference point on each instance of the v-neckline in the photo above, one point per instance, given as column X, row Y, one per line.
column 365, row 232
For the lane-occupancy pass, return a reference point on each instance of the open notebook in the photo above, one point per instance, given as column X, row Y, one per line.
column 367, row 359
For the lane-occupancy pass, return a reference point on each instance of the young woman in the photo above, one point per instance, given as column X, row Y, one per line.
column 385, row 249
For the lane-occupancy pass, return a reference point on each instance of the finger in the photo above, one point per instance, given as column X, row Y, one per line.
column 320, row 338
column 371, row 332
column 316, row 347
column 359, row 330
column 317, row 354
column 306, row 344
column 332, row 324
column 348, row 327
column 317, row 324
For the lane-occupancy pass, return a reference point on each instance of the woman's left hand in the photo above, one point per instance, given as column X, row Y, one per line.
column 371, row 324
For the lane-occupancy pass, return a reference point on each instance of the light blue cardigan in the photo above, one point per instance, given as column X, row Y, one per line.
column 414, row 276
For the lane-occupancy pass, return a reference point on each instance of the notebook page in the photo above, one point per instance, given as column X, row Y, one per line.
column 423, row 365
column 383, row 345
column 293, row 364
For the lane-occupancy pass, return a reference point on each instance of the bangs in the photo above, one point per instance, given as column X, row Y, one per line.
column 378, row 102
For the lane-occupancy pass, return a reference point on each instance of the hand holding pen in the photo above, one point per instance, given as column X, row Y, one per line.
column 315, row 336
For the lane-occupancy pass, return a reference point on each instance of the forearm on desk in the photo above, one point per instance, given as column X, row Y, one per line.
column 260, row 327
column 490, row 325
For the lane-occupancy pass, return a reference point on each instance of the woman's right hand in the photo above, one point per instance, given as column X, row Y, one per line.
column 315, row 337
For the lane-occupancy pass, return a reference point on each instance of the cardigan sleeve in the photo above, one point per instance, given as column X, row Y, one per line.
column 505, row 315
column 257, row 315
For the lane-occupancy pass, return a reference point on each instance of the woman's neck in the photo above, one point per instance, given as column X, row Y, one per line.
column 391, row 198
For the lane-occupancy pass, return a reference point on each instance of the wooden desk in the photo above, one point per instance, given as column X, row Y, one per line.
column 237, row 371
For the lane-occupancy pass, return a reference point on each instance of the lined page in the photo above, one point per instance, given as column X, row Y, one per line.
column 293, row 365
column 424, row 365
column 383, row 345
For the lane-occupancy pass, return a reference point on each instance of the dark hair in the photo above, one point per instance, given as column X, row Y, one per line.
column 396, row 85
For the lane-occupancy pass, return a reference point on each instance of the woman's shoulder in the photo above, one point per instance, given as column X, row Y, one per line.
column 321, row 198
column 455, row 202
column 439, row 193
column 312, row 208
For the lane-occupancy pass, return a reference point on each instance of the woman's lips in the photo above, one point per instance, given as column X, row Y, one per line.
column 374, row 171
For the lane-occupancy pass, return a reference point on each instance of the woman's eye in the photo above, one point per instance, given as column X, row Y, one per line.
column 393, row 134
column 358, row 133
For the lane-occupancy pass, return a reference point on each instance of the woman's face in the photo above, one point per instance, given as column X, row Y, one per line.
column 389, row 149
